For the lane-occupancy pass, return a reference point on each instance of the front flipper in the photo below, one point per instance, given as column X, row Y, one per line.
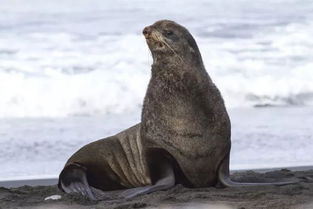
column 224, row 177
column 166, row 181
column 73, row 179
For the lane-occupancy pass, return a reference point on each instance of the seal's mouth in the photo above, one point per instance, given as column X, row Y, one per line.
column 154, row 43
column 154, row 38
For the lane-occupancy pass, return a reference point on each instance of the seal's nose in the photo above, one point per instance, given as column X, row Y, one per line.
column 147, row 31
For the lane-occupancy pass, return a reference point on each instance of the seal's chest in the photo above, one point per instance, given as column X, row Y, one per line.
column 180, row 123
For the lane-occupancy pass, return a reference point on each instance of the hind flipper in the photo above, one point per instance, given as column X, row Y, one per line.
column 106, row 195
column 224, row 177
column 73, row 179
column 166, row 181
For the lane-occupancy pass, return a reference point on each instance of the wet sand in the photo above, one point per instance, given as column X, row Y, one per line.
column 299, row 195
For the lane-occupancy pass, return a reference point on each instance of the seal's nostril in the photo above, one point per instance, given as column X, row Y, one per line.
column 146, row 31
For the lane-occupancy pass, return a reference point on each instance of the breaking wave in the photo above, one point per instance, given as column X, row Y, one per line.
column 58, row 63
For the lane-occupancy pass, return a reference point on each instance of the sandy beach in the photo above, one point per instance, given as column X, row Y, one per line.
column 298, row 195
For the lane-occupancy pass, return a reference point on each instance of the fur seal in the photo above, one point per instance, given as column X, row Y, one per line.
column 110, row 167
column 184, row 136
column 184, row 117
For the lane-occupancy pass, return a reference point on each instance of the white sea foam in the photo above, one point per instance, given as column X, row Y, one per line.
column 77, row 58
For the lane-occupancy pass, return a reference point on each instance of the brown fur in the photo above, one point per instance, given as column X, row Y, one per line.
column 183, row 112
column 115, row 162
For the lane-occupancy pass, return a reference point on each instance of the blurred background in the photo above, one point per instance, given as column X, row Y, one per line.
column 73, row 71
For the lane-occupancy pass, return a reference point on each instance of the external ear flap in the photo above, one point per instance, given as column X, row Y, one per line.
column 191, row 50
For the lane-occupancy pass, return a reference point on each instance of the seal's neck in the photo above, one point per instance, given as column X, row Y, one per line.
column 169, row 61
column 174, row 67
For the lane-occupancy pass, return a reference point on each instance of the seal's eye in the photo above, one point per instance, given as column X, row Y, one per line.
column 168, row 32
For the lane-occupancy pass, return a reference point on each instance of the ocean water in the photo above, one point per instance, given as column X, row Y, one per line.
column 72, row 71
column 261, row 138
column 62, row 58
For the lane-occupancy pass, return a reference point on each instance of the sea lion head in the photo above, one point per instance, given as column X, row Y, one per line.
column 169, row 40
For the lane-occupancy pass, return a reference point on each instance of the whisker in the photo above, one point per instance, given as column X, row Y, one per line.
column 166, row 44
